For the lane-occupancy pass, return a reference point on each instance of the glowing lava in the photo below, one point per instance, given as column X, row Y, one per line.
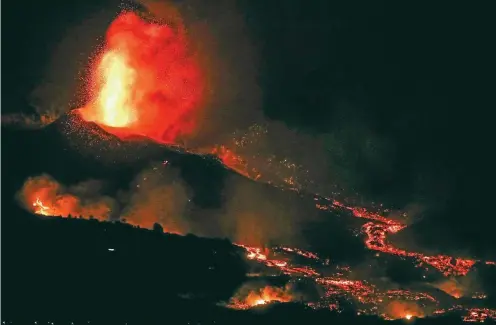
column 43, row 195
column 379, row 227
column 146, row 82
column 115, row 99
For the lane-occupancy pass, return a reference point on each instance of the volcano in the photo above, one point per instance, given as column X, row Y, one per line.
column 340, row 262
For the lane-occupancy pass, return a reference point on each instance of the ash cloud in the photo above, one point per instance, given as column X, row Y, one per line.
column 251, row 213
column 44, row 195
column 254, row 216
column 156, row 196
column 336, row 163
column 230, row 57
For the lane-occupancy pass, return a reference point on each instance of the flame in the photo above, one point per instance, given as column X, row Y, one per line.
column 267, row 295
column 401, row 309
column 44, row 196
column 146, row 82
column 115, row 99
column 262, row 296
column 40, row 208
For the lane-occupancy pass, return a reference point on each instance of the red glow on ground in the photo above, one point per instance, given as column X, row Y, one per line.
column 146, row 82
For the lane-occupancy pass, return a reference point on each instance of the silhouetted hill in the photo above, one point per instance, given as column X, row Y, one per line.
column 73, row 269
column 72, row 150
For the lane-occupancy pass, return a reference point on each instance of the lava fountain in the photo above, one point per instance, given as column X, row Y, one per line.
column 146, row 82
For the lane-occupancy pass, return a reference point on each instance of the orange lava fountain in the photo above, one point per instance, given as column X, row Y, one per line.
column 146, row 82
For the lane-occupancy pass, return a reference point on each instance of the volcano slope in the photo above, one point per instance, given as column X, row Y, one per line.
column 74, row 269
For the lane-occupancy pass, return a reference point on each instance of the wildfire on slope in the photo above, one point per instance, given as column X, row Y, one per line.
column 406, row 310
column 155, row 196
column 248, row 298
column 146, row 82
column 44, row 196
column 451, row 287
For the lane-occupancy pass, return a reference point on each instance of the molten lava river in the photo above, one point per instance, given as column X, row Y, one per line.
column 340, row 288
column 147, row 83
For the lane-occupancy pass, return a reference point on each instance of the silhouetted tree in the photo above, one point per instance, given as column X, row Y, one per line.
column 158, row 228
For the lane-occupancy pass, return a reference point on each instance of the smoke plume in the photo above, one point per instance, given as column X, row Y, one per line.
column 156, row 196
column 45, row 196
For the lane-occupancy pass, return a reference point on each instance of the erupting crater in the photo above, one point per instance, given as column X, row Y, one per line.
column 146, row 82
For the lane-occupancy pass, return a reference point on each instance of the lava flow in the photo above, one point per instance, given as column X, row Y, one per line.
column 146, row 82
column 338, row 286
column 44, row 196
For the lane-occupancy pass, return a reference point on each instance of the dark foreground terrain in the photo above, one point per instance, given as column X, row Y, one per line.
column 74, row 270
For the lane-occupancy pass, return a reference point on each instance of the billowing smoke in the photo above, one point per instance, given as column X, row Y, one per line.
column 156, row 195
column 231, row 108
column 254, row 294
column 403, row 309
column 469, row 285
column 256, row 216
column 230, row 123
column 250, row 213
column 45, row 196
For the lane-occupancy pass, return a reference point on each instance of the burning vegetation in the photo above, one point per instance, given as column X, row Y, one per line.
column 43, row 195
column 248, row 297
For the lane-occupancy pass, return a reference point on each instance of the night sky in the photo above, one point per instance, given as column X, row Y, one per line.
column 409, row 82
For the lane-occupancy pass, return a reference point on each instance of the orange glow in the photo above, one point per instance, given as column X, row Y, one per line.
column 40, row 208
column 479, row 315
column 262, row 296
column 235, row 162
column 146, row 82
column 115, row 99
column 406, row 310
column 44, row 196
column 379, row 227
column 451, row 287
